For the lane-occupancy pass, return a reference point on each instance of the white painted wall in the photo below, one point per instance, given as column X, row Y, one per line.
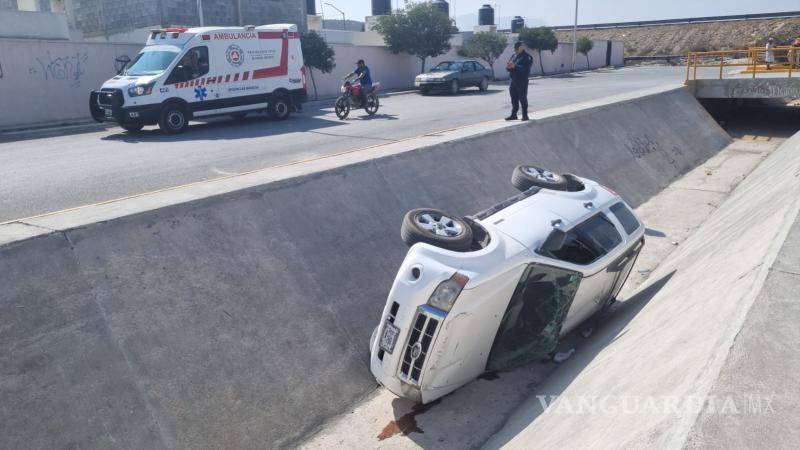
column 50, row 81
column 33, row 25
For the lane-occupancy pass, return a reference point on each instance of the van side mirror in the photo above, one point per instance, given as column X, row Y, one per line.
column 555, row 240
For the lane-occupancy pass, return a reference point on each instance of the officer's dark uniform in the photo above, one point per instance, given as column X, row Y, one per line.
column 519, row 82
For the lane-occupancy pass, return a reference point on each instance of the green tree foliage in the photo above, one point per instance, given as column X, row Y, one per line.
column 486, row 46
column 539, row 38
column 317, row 54
column 419, row 29
column 584, row 45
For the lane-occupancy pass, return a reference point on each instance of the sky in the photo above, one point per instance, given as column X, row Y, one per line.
column 561, row 12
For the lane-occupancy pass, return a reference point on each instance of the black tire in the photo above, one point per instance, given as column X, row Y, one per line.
column 453, row 232
column 239, row 115
column 132, row 127
column 523, row 179
column 484, row 86
column 454, row 87
column 342, row 108
column 279, row 108
column 174, row 118
column 373, row 104
column 425, row 91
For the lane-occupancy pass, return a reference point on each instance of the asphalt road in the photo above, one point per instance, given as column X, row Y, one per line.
column 42, row 175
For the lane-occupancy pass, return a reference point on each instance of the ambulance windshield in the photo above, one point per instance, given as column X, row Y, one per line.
column 151, row 62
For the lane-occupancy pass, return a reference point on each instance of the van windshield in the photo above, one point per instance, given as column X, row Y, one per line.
column 151, row 62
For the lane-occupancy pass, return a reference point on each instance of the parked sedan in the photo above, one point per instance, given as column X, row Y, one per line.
column 497, row 290
column 451, row 76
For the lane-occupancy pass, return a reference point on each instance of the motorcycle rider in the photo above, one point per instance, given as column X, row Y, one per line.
column 519, row 67
column 362, row 74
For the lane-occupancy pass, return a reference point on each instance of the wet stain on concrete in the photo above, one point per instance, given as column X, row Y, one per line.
column 406, row 424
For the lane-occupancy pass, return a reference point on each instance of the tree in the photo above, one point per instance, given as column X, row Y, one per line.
column 420, row 29
column 539, row 38
column 317, row 54
column 584, row 45
column 486, row 46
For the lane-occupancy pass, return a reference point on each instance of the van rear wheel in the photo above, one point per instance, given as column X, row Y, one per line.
column 279, row 108
column 173, row 119
column 436, row 227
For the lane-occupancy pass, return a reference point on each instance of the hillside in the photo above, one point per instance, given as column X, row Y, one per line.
column 680, row 39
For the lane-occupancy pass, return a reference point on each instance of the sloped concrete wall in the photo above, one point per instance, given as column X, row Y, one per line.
column 242, row 320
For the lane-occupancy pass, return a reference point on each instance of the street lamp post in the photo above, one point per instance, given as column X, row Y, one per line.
column 344, row 21
column 575, row 37
column 200, row 12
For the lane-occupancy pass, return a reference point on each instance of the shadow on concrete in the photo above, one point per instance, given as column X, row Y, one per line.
column 226, row 129
column 464, row 405
column 653, row 233
column 605, row 334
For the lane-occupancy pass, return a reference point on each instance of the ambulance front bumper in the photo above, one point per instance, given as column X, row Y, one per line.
column 107, row 105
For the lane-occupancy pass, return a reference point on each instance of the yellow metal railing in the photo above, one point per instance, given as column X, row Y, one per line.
column 753, row 60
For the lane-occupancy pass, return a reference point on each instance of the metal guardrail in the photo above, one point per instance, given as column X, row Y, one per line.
column 753, row 61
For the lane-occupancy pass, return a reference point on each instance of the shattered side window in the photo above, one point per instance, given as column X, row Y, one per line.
column 532, row 322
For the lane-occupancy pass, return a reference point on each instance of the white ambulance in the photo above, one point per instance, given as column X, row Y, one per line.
column 184, row 73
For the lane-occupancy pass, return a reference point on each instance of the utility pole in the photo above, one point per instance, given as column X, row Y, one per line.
column 200, row 12
column 575, row 37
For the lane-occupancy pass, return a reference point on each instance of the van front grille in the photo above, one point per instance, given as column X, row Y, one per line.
column 416, row 350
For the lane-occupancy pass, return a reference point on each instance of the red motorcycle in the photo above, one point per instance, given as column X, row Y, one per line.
column 351, row 99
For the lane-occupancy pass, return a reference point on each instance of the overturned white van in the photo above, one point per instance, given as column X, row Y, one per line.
column 183, row 73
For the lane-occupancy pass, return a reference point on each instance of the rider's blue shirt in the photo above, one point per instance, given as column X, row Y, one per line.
column 366, row 79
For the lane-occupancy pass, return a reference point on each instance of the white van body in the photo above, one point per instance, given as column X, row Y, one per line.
column 423, row 353
column 206, row 71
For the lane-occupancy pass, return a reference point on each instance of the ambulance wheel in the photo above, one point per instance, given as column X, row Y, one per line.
column 132, row 127
column 279, row 108
column 173, row 119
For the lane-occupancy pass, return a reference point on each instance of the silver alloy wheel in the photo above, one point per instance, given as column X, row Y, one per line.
column 175, row 119
column 541, row 174
column 443, row 226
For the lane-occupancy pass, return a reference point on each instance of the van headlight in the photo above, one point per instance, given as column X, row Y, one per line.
column 445, row 295
column 138, row 90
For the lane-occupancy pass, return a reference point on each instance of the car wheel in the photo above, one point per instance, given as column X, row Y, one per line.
column 279, row 108
column 239, row 115
column 425, row 91
column 132, row 127
column 484, row 86
column 454, row 87
column 436, row 227
column 526, row 177
column 173, row 119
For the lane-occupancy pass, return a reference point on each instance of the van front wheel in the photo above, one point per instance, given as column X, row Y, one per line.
column 173, row 119
column 132, row 127
column 279, row 108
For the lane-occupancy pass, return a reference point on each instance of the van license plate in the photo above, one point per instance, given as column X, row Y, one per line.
column 389, row 337
column 109, row 112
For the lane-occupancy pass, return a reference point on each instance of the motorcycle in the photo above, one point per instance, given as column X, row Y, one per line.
column 351, row 99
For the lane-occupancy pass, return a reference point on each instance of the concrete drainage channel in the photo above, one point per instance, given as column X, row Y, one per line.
column 236, row 313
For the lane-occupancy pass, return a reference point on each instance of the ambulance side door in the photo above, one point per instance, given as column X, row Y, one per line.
column 187, row 79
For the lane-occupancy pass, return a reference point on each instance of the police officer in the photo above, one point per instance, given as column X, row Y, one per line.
column 519, row 67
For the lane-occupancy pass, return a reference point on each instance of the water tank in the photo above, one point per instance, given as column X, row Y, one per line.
column 311, row 7
column 381, row 7
column 442, row 6
column 486, row 15
column 517, row 23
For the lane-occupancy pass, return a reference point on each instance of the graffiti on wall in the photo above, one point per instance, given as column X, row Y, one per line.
column 643, row 145
column 69, row 68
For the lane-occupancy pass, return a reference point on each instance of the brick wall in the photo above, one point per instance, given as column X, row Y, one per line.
column 99, row 17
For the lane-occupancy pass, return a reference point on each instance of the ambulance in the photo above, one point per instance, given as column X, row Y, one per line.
column 187, row 73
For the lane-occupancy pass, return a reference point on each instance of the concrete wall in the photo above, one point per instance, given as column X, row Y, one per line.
column 49, row 81
column 33, row 25
column 242, row 320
